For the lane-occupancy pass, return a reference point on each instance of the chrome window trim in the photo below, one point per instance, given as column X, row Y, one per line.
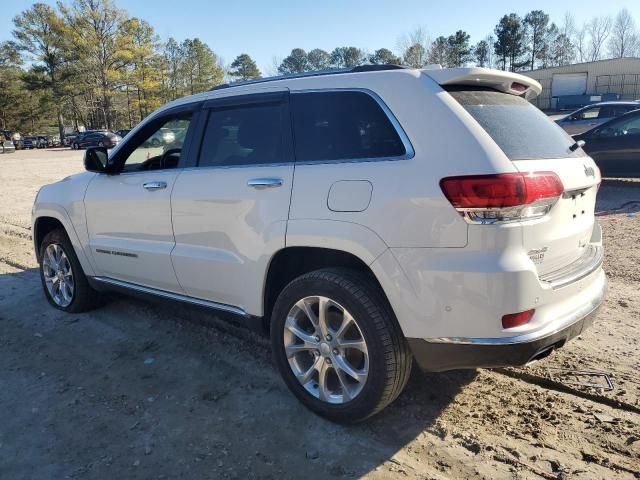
column 408, row 147
column 171, row 296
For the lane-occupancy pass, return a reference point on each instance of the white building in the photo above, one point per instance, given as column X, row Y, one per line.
column 617, row 75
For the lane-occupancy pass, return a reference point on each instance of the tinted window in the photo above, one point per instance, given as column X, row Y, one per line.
column 521, row 130
column 342, row 126
column 244, row 135
column 626, row 126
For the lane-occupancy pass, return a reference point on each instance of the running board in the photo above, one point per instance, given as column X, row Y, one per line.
column 170, row 295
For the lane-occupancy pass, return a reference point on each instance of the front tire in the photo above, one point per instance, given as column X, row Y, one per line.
column 338, row 345
column 63, row 280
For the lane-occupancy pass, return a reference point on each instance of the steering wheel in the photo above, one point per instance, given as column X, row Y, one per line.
column 167, row 154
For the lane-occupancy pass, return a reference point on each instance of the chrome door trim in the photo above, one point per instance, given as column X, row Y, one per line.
column 152, row 186
column 171, row 296
column 264, row 183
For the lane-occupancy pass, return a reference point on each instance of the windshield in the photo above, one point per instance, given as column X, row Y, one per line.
column 520, row 129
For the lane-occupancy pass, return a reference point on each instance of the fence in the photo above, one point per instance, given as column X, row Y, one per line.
column 627, row 85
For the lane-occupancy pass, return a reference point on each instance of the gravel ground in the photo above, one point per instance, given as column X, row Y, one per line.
column 155, row 390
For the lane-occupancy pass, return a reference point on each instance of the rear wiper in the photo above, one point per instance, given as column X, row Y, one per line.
column 577, row 145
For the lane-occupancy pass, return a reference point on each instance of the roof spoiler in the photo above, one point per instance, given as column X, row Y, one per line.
column 506, row 82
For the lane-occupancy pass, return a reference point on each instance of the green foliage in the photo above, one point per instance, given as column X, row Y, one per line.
column 384, row 56
column 318, row 59
column 296, row 62
column 481, row 53
column 510, row 42
column 439, row 52
column 244, row 68
column 345, row 57
column 536, row 23
column 416, row 56
column 458, row 49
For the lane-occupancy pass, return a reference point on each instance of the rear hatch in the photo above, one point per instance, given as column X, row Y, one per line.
column 534, row 143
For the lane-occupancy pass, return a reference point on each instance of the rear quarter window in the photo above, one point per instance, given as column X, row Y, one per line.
column 519, row 128
column 342, row 125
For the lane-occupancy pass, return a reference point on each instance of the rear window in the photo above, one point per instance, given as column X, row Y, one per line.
column 345, row 125
column 520, row 129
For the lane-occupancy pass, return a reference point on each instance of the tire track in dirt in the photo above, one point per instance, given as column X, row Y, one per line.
column 561, row 387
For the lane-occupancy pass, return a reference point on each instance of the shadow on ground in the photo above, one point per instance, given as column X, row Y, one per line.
column 142, row 389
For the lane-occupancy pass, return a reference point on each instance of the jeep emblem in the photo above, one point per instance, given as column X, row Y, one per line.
column 588, row 171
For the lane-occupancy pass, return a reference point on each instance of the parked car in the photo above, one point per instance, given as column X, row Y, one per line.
column 7, row 146
column 53, row 141
column 95, row 139
column 29, row 142
column 123, row 132
column 615, row 145
column 591, row 116
column 416, row 225
column 42, row 141
column 164, row 136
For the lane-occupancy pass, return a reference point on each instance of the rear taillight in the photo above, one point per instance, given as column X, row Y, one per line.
column 504, row 197
column 517, row 319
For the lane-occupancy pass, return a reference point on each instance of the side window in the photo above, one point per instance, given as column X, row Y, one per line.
column 342, row 126
column 622, row 128
column 160, row 147
column 249, row 134
column 589, row 113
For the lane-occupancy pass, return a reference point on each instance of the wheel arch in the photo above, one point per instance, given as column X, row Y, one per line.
column 291, row 262
column 49, row 219
column 41, row 227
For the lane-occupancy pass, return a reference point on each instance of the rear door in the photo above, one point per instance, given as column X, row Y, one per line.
column 536, row 144
column 230, row 212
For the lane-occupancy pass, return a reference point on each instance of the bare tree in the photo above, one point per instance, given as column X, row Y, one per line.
column 598, row 29
column 582, row 45
column 414, row 47
column 624, row 36
column 490, row 54
column 568, row 25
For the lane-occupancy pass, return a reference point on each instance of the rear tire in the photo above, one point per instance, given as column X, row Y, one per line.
column 59, row 264
column 379, row 378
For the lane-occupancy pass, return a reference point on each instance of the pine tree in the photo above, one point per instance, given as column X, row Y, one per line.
column 244, row 68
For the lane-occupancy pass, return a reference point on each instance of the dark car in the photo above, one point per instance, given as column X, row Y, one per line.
column 29, row 142
column 123, row 132
column 615, row 145
column 95, row 139
column 594, row 115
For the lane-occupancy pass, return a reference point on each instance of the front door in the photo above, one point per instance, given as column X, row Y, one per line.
column 129, row 213
column 230, row 213
column 616, row 147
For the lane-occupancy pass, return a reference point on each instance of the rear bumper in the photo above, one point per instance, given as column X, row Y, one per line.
column 443, row 354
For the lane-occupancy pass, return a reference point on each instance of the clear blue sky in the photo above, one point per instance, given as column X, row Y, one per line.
column 265, row 29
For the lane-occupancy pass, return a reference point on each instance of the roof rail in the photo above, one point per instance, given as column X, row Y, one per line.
column 317, row 73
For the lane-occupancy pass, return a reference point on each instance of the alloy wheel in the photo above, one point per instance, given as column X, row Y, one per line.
column 326, row 349
column 58, row 275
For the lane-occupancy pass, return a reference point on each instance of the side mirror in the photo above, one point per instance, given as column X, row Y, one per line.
column 96, row 159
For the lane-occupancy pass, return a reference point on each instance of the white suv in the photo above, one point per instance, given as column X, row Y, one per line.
column 366, row 217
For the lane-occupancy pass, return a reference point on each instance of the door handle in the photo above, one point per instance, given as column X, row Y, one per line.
column 151, row 186
column 264, row 183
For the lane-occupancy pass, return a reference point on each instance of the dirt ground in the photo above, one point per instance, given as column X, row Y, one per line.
column 156, row 390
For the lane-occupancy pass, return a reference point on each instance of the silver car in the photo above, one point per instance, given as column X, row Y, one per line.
column 593, row 115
